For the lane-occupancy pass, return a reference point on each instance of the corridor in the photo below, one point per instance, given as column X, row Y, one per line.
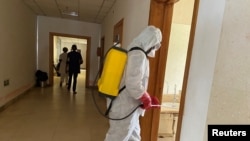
column 54, row 114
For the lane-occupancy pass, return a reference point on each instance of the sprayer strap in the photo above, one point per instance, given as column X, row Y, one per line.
column 122, row 88
column 138, row 48
column 111, row 103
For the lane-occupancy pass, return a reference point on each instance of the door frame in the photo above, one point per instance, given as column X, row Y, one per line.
column 161, row 12
column 51, row 53
column 187, row 67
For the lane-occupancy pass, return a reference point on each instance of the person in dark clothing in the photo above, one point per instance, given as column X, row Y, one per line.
column 74, row 59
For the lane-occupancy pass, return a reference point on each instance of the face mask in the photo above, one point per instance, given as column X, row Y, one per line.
column 157, row 46
column 152, row 53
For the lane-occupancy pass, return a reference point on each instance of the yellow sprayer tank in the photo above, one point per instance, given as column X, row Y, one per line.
column 115, row 61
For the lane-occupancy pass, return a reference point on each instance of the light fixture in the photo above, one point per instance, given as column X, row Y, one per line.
column 70, row 13
column 66, row 11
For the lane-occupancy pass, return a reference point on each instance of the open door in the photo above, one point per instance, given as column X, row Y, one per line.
column 51, row 54
column 118, row 31
column 175, row 66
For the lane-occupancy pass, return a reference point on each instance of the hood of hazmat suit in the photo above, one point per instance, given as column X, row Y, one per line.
column 149, row 40
column 137, row 71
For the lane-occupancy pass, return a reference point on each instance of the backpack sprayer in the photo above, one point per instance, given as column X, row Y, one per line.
column 109, row 81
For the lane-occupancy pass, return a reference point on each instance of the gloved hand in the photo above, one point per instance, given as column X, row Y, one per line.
column 146, row 101
column 155, row 102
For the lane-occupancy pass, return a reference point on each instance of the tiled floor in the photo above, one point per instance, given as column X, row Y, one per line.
column 54, row 114
column 166, row 139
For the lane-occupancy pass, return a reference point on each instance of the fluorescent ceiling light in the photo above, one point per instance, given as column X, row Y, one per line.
column 70, row 13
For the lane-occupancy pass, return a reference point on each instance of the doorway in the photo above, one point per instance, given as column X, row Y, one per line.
column 83, row 45
column 118, row 33
column 175, row 67
column 161, row 15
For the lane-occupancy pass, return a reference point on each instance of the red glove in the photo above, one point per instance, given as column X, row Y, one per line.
column 146, row 101
column 155, row 102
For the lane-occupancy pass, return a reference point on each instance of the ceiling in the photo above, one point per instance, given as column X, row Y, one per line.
column 93, row 11
column 72, row 40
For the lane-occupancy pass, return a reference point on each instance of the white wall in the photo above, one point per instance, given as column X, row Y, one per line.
column 135, row 14
column 206, row 44
column 18, row 52
column 230, row 100
column 48, row 24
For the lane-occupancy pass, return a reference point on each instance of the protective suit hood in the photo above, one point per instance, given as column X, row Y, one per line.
column 149, row 37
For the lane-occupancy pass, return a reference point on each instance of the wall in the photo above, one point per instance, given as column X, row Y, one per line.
column 18, row 52
column 202, row 69
column 49, row 24
column 178, row 44
column 129, row 10
column 230, row 100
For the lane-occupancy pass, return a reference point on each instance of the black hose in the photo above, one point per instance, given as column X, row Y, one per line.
column 106, row 116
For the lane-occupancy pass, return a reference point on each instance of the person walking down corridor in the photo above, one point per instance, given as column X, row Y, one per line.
column 135, row 78
column 74, row 61
column 63, row 66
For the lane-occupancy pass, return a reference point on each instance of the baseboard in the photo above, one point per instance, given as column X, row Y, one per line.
column 6, row 105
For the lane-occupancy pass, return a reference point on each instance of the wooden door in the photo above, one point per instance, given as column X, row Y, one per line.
column 118, row 29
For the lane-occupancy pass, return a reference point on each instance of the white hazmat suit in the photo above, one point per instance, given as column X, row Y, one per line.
column 135, row 79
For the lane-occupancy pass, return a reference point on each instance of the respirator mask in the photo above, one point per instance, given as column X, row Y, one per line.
column 152, row 50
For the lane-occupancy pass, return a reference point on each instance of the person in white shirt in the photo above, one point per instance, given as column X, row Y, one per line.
column 63, row 66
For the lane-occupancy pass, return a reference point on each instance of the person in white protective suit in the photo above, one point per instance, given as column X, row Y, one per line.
column 135, row 79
